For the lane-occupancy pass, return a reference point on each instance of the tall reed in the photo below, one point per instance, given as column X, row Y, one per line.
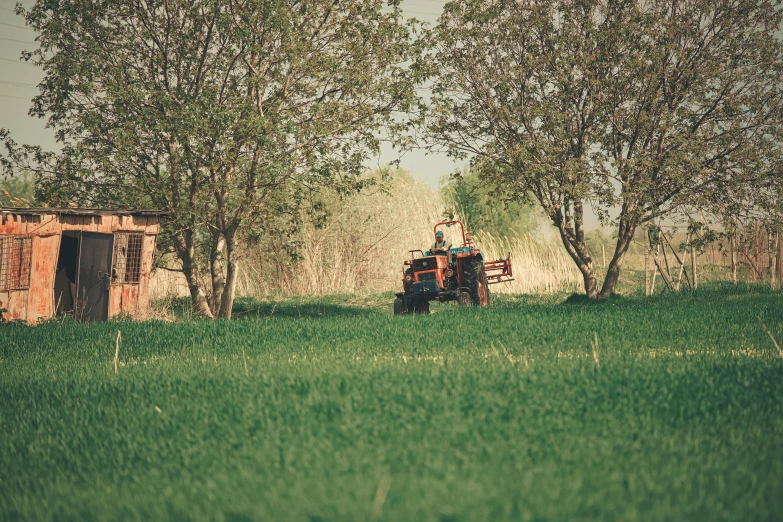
column 364, row 243
column 361, row 248
column 540, row 265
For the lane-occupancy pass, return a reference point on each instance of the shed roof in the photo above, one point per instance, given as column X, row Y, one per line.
column 81, row 211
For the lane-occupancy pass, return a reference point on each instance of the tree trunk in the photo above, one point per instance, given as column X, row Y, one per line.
column 625, row 236
column 757, row 250
column 590, row 282
column 227, row 300
column 573, row 238
column 771, row 257
column 190, row 269
column 216, row 263
column 229, row 294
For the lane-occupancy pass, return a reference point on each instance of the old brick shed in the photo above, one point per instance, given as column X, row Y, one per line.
column 86, row 263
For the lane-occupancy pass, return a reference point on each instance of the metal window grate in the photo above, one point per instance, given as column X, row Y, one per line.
column 5, row 265
column 16, row 255
column 126, row 265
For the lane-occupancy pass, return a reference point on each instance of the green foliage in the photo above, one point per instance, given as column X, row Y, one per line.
column 17, row 191
column 486, row 209
column 226, row 116
column 304, row 410
column 638, row 109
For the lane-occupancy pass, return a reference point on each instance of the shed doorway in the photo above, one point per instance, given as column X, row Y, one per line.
column 65, row 276
column 83, row 277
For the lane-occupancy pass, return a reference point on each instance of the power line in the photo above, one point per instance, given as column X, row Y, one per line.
column 18, row 84
column 14, row 97
column 16, row 61
column 14, row 40
column 18, row 26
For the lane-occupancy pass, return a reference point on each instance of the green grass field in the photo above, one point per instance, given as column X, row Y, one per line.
column 336, row 410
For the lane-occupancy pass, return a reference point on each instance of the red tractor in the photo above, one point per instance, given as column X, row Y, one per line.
column 429, row 276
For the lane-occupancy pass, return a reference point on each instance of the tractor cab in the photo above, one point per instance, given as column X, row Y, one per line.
column 429, row 276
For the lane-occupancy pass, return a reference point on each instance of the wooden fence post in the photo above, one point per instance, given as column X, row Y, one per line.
column 680, row 262
column 770, row 260
column 679, row 276
column 780, row 258
column 665, row 257
column 771, row 250
column 655, row 271
column 664, row 274
column 646, row 264
column 733, row 255
column 693, row 267
column 757, row 250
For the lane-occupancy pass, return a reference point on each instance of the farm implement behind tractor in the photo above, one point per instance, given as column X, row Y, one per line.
column 429, row 276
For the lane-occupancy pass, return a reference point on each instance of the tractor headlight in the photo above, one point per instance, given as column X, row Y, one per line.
column 449, row 272
column 408, row 278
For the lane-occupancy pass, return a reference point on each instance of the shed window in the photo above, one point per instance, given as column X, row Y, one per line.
column 31, row 218
column 126, row 264
column 16, row 255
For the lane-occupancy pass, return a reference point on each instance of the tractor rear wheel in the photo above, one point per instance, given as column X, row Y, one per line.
column 399, row 306
column 476, row 282
column 483, row 288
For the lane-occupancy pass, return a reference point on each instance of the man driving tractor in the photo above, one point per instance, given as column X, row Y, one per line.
column 444, row 274
column 441, row 245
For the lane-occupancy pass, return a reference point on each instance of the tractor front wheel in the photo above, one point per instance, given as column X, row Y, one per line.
column 463, row 299
column 476, row 282
column 399, row 306
column 422, row 307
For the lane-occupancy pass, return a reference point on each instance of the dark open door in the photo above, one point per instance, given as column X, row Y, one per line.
column 94, row 275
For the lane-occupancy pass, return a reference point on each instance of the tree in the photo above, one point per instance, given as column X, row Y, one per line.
column 486, row 209
column 224, row 113
column 636, row 108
